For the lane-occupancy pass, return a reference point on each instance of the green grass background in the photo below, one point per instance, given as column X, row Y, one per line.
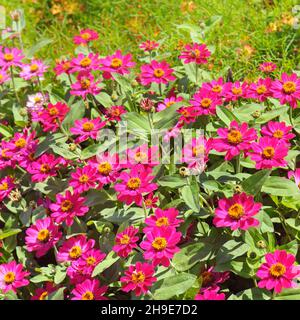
column 240, row 39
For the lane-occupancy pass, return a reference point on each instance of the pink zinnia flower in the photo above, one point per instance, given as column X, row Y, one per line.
column 6, row 186
column 163, row 218
column 138, row 278
column 114, row 113
column 43, row 293
column 269, row 153
column 42, row 236
column 149, row 45
column 210, row 278
column 168, row 102
column 237, row 212
column 267, row 67
column 85, row 36
column 134, row 184
column 67, row 207
column 234, row 139
column 73, row 248
column 63, row 66
column 89, row 290
column 35, row 69
column 215, row 86
column 4, row 77
column 117, row 63
column 287, row 89
column 278, row 130
column 89, row 260
column 83, row 179
column 296, row 175
column 12, row 276
column 260, row 90
column 6, row 156
column 36, row 102
column 234, row 91
column 278, row 271
column 87, row 128
column 206, row 102
column 85, row 85
column 157, row 72
column 10, row 57
column 126, row 241
column 150, row 201
column 210, row 294
column 189, row 114
column 143, row 155
column 85, row 63
column 197, row 53
column 160, row 245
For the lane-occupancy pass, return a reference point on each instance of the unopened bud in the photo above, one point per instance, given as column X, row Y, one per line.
column 184, row 171
column 261, row 244
column 238, row 189
column 23, row 112
column 15, row 195
column 72, row 147
column 256, row 114
column 146, row 104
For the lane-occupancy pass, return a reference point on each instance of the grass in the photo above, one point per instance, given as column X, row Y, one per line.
column 247, row 33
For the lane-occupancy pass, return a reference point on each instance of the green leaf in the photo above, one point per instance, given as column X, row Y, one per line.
column 174, row 181
column 252, row 294
column 76, row 112
column 254, row 183
column 288, row 294
column 40, row 278
column 34, row 49
column 190, row 195
column 231, row 250
column 57, row 295
column 226, row 115
column 8, row 233
column 265, row 117
column 104, row 99
column 110, row 259
column 280, row 186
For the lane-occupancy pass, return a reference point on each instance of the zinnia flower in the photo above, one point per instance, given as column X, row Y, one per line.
column 215, row 86
column 126, row 241
column 278, row 271
column 197, row 53
column 85, row 36
column 89, row 290
column 296, row 175
column 149, row 45
column 6, row 186
column 35, row 69
column 210, row 278
column 206, row 102
column 278, row 130
column 85, row 63
column 260, row 90
column 87, row 128
column 168, row 102
column 85, row 85
column 43, row 293
column 114, row 113
column 163, row 218
column 234, row 91
column 4, row 77
column 237, row 212
column 267, row 67
column 83, row 179
column 10, row 57
column 138, row 278
column 210, row 294
column 157, row 72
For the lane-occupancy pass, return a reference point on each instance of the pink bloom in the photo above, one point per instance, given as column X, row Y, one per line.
column 114, row 113
column 85, row 36
column 197, row 53
column 42, row 236
column 36, row 102
column 210, row 278
column 287, row 89
column 6, row 156
column 210, row 294
column 269, row 153
column 215, row 86
column 35, row 69
column 168, row 102
column 234, row 91
column 85, row 63
column 43, row 293
column 237, row 212
column 89, row 290
column 157, row 72
column 278, row 271
column 117, row 63
column 134, row 184
column 189, row 114
column 12, row 276
column 296, row 175
column 4, row 77
column 73, row 248
column 160, row 245
column 85, row 85
column 126, row 241
column 45, row 166
column 143, row 155
column 149, row 45
column 174, row 131
column 163, row 218
column 63, row 66
column 267, row 67
column 138, row 278
column 67, row 207
column 234, row 139
column 206, row 102
column 260, row 90
column 87, row 128
column 150, row 201
column 10, row 57
column 278, row 130
column 6, row 186
column 83, row 179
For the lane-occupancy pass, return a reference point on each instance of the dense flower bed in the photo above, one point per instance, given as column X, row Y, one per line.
column 80, row 221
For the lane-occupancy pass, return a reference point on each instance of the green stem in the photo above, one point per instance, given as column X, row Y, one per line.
column 145, row 210
column 238, row 164
column 196, row 76
column 13, row 83
column 212, row 211
column 160, row 89
column 282, row 219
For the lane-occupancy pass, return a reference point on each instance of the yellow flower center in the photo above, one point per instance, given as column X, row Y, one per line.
column 159, row 243
column 88, row 295
column 34, row 67
column 1, row 77
column 138, row 277
column 268, row 152
column 196, row 151
column 158, row 73
column 66, row 66
column 148, row 202
column 43, row 296
column 234, row 136
column 53, row 111
column 75, row 252
column 45, row 168
column 217, row 88
column 4, row 155
column 277, row 270
column 85, row 36
column 8, row 57
column 261, row 89
column 236, row 211
column 3, row 186
column 37, row 99
column 90, row 261
column 125, row 239
column 88, row 126
column 43, row 235
column 195, row 53
column 85, row 83
column 20, row 143
column 206, row 102
column 133, row 183
column 163, row 221
column 116, row 63
column 105, row 168
column 66, row 205
column 85, row 62
column 289, row 87
column 169, row 103
column 10, row 277
column 140, row 156
column 236, row 90
column 84, row 178
column 278, row 134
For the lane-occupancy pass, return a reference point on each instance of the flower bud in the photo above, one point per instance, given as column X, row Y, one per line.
column 146, row 104
column 256, row 114
column 72, row 146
